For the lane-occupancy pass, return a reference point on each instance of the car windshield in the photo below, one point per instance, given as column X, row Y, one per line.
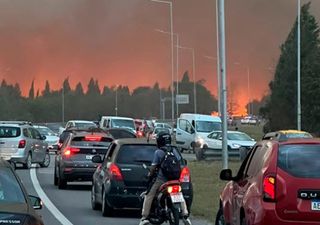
column 207, row 126
column 158, row 130
column 45, row 131
column 123, row 123
column 85, row 125
column 239, row 137
column 9, row 132
column 10, row 190
column 300, row 160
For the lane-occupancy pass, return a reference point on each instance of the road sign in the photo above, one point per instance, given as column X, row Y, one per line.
column 182, row 99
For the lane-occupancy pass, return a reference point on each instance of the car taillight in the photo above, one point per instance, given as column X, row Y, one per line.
column 70, row 151
column 22, row 144
column 92, row 138
column 115, row 172
column 269, row 187
column 185, row 175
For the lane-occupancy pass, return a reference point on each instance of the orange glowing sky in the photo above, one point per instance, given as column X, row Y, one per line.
column 114, row 41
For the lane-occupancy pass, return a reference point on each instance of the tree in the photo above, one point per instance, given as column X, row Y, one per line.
column 31, row 91
column 281, row 108
column 46, row 92
column 79, row 89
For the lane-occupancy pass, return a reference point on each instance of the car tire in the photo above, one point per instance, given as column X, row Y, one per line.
column 106, row 209
column 46, row 160
column 28, row 163
column 199, row 154
column 193, row 147
column 55, row 178
column 62, row 183
column 220, row 218
column 94, row 204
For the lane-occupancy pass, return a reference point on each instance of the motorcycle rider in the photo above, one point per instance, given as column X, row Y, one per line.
column 163, row 139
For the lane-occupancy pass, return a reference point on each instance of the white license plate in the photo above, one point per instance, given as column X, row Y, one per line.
column 176, row 197
column 89, row 157
column 315, row 205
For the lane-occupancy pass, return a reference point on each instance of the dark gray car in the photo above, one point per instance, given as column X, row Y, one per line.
column 21, row 143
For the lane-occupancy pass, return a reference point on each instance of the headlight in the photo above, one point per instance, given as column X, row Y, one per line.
column 236, row 145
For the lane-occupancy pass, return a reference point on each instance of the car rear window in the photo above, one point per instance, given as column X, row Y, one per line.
column 136, row 154
column 300, row 160
column 9, row 132
column 91, row 141
column 10, row 190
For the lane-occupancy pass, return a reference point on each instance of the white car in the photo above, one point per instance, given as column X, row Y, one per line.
column 51, row 138
column 79, row 124
column 249, row 120
column 236, row 140
column 164, row 125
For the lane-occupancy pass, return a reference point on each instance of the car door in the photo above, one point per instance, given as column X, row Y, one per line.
column 185, row 134
column 211, row 140
column 244, row 182
column 39, row 149
column 101, row 173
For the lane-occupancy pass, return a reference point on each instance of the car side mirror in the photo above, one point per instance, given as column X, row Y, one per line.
column 226, row 174
column 192, row 131
column 97, row 159
column 35, row 202
column 43, row 137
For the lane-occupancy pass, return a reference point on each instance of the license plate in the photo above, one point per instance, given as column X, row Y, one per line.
column 89, row 157
column 176, row 197
column 315, row 205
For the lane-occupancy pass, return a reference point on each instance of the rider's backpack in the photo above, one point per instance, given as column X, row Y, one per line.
column 170, row 165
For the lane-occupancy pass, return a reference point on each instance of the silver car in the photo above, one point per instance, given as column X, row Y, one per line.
column 22, row 143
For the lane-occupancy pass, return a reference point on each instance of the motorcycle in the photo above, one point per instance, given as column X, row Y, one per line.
column 166, row 205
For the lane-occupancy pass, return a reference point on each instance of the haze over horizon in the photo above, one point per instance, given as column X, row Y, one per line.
column 115, row 41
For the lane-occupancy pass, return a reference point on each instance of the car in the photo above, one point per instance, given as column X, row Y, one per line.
column 164, row 125
column 21, row 143
column 122, row 178
column 277, row 183
column 16, row 206
column 120, row 133
column 117, row 122
column 78, row 124
column 157, row 130
column 238, row 144
column 73, row 161
column 250, row 120
column 51, row 138
column 287, row 134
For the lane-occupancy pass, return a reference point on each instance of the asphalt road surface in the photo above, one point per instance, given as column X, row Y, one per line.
column 71, row 206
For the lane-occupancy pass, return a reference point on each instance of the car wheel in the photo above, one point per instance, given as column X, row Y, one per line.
column 62, row 183
column 28, row 163
column 106, row 209
column 220, row 218
column 55, row 178
column 193, row 147
column 46, row 160
column 199, row 154
column 94, row 204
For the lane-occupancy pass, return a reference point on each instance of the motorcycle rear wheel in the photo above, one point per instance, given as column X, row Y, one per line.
column 174, row 215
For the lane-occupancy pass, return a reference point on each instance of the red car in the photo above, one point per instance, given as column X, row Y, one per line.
column 278, row 183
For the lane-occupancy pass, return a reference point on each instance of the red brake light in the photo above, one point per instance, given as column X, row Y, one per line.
column 69, row 151
column 174, row 189
column 92, row 138
column 22, row 144
column 269, row 186
column 115, row 172
column 185, row 175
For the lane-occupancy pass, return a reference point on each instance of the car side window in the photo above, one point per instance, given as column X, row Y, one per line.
column 241, row 172
column 255, row 164
column 182, row 124
column 109, row 154
column 104, row 123
column 26, row 133
column 37, row 134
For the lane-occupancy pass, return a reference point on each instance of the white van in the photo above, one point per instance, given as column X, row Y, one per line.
column 190, row 127
column 117, row 122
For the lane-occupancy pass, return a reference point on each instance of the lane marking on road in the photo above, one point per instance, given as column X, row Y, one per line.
column 47, row 202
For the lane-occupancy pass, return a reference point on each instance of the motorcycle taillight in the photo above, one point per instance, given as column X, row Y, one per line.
column 174, row 189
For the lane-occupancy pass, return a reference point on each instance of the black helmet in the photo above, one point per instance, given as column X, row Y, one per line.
column 163, row 139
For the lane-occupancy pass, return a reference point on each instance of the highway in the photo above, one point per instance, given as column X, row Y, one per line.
column 71, row 206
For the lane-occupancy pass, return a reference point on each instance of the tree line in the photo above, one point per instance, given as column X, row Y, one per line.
column 142, row 102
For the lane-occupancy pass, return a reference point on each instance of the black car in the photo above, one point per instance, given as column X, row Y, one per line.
column 16, row 207
column 73, row 161
column 121, row 178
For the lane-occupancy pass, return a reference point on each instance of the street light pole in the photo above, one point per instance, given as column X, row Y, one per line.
column 116, row 108
column 193, row 76
column 299, row 68
column 218, row 63
column 62, row 105
column 177, row 66
column 172, row 67
column 222, row 60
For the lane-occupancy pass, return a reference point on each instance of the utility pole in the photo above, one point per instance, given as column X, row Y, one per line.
column 222, row 60
column 299, row 68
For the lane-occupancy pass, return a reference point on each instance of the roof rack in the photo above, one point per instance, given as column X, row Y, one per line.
column 17, row 122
